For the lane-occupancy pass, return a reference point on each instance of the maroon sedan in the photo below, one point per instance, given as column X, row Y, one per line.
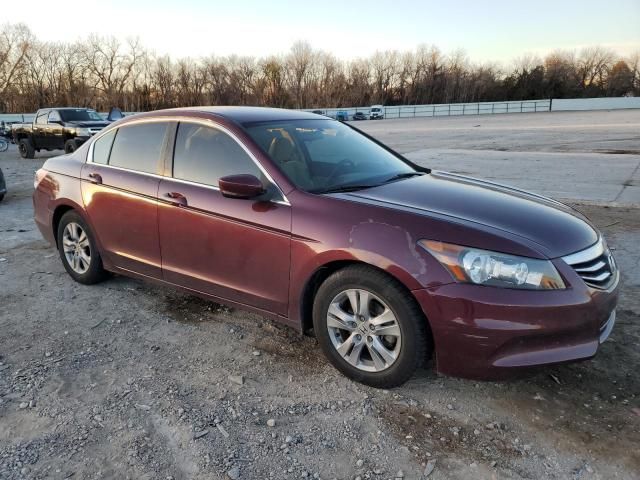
column 311, row 222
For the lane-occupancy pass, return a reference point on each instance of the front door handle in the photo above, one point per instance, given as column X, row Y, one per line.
column 95, row 178
column 176, row 198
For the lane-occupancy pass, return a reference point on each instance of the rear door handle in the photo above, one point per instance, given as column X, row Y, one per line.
column 95, row 178
column 176, row 198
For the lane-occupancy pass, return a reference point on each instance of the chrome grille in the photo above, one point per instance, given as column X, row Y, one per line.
column 94, row 130
column 595, row 265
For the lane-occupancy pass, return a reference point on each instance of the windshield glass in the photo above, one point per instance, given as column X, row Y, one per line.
column 79, row 115
column 321, row 155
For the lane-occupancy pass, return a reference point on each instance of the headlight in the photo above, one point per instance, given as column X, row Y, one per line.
column 83, row 132
column 483, row 267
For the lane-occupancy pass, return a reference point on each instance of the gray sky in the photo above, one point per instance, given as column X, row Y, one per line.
column 496, row 30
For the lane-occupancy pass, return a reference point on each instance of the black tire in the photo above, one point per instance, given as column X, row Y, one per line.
column 70, row 146
column 95, row 272
column 416, row 343
column 1, row 196
column 26, row 148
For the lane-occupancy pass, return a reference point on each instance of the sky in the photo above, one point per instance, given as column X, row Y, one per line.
column 489, row 30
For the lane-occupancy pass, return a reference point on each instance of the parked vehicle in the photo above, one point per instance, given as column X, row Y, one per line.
column 310, row 222
column 376, row 112
column 359, row 116
column 342, row 115
column 3, row 186
column 57, row 128
column 5, row 129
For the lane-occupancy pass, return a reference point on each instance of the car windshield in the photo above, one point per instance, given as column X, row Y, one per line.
column 79, row 115
column 320, row 156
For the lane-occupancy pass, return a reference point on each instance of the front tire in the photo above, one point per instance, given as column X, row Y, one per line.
column 26, row 148
column 78, row 252
column 370, row 327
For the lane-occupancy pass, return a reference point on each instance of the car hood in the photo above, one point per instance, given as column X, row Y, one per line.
column 556, row 228
column 88, row 124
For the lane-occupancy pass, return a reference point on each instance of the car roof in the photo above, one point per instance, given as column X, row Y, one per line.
column 245, row 114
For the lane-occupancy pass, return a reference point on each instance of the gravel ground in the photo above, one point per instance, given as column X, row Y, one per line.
column 128, row 380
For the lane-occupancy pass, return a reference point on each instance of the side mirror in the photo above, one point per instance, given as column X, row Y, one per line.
column 241, row 186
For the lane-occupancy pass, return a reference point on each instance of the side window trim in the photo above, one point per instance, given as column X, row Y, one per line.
column 160, row 166
column 115, row 135
column 169, row 148
column 217, row 126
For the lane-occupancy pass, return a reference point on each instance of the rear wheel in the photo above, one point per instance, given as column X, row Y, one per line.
column 70, row 146
column 370, row 327
column 78, row 251
column 26, row 148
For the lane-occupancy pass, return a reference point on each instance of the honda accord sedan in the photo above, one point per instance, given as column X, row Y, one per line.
column 311, row 222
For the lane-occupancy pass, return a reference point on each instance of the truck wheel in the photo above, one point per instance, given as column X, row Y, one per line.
column 26, row 149
column 70, row 146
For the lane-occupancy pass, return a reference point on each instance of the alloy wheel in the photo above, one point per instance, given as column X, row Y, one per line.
column 76, row 247
column 364, row 330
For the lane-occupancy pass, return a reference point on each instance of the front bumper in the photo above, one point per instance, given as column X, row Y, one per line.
column 492, row 333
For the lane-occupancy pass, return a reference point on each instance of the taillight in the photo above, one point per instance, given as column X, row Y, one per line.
column 38, row 176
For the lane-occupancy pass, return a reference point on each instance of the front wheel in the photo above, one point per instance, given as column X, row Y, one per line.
column 78, row 251
column 370, row 327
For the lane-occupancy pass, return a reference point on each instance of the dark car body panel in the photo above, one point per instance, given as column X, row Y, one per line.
column 263, row 255
column 555, row 229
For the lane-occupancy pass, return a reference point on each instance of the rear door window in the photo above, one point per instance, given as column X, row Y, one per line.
column 204, row 154
column 102, row 147
column 139, row 147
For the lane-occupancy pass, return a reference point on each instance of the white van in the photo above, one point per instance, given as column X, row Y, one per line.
column 376, row 112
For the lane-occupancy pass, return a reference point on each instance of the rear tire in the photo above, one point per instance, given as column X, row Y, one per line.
column 78, row 251
column 26, row 148
column 70, row 146
column 389, row 328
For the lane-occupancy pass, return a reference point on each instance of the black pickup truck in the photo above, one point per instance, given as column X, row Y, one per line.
column 57, row 128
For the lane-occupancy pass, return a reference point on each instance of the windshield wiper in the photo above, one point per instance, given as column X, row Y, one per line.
column 344, row 188
column 400, row 176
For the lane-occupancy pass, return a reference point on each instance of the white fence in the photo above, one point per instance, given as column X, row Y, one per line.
column 610, row 103
column 450, row 109
column 445, row 109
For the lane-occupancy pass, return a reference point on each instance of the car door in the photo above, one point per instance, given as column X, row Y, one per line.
column 55, row 137
column 119, row 187
column 231, row 248
column 40, row 133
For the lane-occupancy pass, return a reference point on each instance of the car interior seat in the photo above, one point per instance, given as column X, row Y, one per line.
column 283, row 152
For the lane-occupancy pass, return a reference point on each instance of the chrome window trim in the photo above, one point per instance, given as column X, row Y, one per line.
column 205, row 122
column 154, row 175
column 582, row 256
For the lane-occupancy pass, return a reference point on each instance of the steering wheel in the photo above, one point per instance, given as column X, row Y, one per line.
column 338, row 168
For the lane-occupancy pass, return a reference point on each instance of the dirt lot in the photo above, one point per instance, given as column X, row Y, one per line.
column 128, row 380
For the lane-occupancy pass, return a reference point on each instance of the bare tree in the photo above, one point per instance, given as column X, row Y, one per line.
column 102, row 72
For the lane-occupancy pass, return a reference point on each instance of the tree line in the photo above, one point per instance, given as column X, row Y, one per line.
column 101, row 72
